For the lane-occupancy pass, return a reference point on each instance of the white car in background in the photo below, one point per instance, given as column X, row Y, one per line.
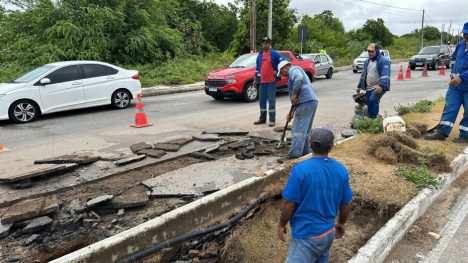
column 358, row 63
column 65, row 86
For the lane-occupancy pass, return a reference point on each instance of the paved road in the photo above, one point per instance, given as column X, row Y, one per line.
column 103, row 129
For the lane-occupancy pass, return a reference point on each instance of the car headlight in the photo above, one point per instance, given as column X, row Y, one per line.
column 230, row 81
column 2, row 95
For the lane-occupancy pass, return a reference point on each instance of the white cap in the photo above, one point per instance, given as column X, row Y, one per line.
column 281, row 65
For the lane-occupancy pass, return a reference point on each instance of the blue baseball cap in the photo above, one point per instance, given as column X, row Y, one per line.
column 322, row 136
column 465, row 28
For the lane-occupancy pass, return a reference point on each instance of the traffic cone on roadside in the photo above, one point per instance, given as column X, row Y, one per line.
column 400, row 74
column 2, row 148
column 140, row 115
column 442, row 70
column 408, row 72
column 424, row 72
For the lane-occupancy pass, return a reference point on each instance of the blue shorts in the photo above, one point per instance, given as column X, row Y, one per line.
column 310, row 250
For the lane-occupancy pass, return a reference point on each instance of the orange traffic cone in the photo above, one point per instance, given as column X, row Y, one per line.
column 442, row 70
column 424, row 72
column 2, row 149
column 140, row 115
column 408, row 72
column 400, row 74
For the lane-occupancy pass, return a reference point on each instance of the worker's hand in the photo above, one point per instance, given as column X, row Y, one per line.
column 288, row 117
column 358, row 91
column 281, row 232
column 293, row 99
column 339, row 230
column 456, row 81
column 378, row 90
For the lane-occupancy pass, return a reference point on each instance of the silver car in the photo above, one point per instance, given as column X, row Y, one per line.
column 358, row 63
column 323, row 64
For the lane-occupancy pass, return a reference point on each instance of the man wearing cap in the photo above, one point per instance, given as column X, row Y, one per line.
column 317, row 191
column 305, row 101
column 375, row 79
column 457, row 95
column 265, row 76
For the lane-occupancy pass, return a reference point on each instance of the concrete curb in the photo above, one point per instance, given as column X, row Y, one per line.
column 380, row 245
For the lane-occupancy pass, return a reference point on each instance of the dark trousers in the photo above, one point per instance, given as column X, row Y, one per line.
column 267, row 93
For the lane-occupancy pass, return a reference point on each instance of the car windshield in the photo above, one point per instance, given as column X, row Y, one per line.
column 245, row 61
column 311, row 57
column 429, row 50
column 32, row 75
column 364, row 54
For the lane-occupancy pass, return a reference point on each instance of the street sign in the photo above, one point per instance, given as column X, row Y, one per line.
column 302, row 33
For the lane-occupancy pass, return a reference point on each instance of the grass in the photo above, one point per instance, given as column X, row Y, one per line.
column 420, row 175
column 420, row 106
column 370, row 125
column 180, row 71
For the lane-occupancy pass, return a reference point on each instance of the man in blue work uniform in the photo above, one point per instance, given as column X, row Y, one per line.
column 265, row 76
column 317, row 189
column 305, row 101
column 375, row 79
column 457, row 95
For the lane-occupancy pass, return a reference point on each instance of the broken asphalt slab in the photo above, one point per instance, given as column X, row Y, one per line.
column 228, row 132
column 129, row 160
column 167, row 147
column 152, row 153
column 134, row 197
column 37, row 224
column 4, row 229
column 204, row 177
column 73, row 158
column 92, row 173
column 38, row 171
column 51, row 205
column 140, row 146
column 180, row 141
column 239, row 144
column 208, row 137
column 23, row 210
column 98, row 200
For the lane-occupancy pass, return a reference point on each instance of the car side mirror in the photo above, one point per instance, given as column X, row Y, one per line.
column 45, row 81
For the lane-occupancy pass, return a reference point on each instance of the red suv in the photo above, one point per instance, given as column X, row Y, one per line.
column 236, row 81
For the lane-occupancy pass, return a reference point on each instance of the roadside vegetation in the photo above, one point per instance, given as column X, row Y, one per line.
column 420, row 106
column 174, row 41
column 420, row 175
column 370, row 125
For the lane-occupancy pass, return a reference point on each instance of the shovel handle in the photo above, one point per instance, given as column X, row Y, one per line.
column 291, row 112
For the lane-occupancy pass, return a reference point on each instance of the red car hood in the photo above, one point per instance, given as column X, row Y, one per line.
column 222, row 73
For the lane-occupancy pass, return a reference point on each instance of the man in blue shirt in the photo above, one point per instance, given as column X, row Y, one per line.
column 305, row 101
column 316, row 190
column 457, row 95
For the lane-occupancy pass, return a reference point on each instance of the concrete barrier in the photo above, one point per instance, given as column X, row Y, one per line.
column 196, row 215
column 380, row 245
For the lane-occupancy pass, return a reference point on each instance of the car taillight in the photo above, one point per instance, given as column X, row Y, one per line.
column 136, row 76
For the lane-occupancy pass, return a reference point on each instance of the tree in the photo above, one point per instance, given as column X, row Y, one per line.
column 378, row 31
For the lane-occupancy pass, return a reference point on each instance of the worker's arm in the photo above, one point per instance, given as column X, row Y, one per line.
column 342, row 218
column 384, row 82
column 287, row 211
column 362, row 80
column 298, row 82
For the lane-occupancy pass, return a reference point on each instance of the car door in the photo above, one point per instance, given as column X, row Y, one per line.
column 65, row 90
column 325, row 64
column 318, row 65
column 99, row 83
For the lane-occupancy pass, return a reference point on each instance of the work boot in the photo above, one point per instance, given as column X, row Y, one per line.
column 435, row 136
column 271, row 124
column 259, row 122
column 460, row 140
column 286, row 158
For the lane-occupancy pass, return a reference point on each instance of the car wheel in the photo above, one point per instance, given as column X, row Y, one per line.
column 354, row 71
column 436, row 65
column 329, row 73
column 412, row 67
column 250, row 92
column 121, row 99
column 218, row 97
column 23, row 111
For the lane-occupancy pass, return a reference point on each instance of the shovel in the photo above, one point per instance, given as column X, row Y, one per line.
column 281, row 143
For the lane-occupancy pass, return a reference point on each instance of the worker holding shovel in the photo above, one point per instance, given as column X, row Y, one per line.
column 303, row 106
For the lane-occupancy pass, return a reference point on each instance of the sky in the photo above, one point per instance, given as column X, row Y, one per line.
column 354, row 13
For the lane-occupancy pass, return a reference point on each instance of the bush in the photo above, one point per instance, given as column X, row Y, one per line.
column 421, row 176
column 370, row 125
column 420, row 106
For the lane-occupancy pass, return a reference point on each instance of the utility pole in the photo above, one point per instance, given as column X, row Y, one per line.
column 442, row 34
column 270, row 18
column 450, row 28
column 422, row 30
column 253, row 26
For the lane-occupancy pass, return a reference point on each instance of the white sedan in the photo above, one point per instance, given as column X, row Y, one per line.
column 67, row 85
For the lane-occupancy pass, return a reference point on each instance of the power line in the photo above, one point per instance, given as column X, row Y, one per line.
column 375, row 9
column 391, row 6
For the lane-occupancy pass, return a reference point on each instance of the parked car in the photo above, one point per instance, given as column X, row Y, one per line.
column 67, row 85
column 433, row 56
column 323, row 64
column 358, row 63
column 236, row 80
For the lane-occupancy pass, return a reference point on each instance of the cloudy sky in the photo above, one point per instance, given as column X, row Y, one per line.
column 353, row 13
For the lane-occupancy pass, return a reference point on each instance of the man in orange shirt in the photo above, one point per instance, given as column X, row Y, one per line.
column 266, row 77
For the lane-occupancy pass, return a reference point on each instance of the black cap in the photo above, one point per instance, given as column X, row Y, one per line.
column 322, row 136
column 266, row 39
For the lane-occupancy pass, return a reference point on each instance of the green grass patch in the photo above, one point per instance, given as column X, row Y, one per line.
column 420, row 175
column 420, row 106
column 370, row 125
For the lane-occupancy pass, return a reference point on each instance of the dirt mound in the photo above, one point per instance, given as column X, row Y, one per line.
column 397, row 147
column 416, row 130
